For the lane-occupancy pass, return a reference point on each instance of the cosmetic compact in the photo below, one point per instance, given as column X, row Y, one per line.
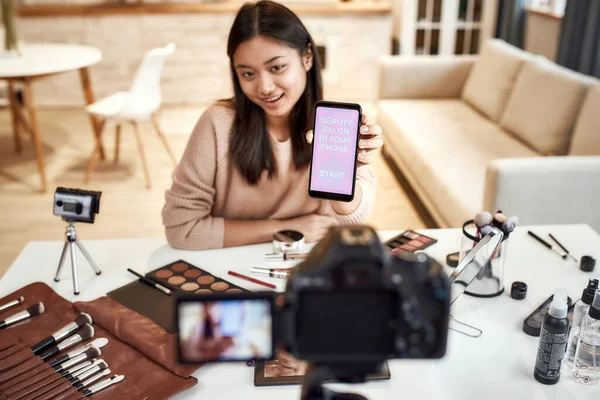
column 288, row 241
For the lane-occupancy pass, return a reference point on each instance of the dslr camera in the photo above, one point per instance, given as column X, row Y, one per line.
column 349, row 307
column 76, row 205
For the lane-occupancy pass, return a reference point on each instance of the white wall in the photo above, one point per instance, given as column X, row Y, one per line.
column 198, row 71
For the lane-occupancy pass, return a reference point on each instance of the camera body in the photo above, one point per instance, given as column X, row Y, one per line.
column 76, row 205
column 351, row 301
column 349, row 306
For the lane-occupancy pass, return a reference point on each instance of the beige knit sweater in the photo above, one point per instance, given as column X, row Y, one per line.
column 207, row 188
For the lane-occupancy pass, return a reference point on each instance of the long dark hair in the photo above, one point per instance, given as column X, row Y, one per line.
column 250, row 146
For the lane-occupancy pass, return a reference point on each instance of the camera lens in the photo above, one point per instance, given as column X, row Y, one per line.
column 59, row 203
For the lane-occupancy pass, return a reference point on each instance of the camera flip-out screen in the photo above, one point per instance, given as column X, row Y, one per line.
column 355, row 325
column 225, row 328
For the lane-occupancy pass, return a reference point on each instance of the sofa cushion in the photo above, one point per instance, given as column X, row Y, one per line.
column 586, row 136
column 493, row 76
column 444, row 147
column 544, row 104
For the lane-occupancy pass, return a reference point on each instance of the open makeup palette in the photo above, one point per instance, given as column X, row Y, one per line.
column 183, row 277
column 408, row 241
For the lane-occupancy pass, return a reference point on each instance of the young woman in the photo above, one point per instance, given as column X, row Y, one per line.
column 244, row 173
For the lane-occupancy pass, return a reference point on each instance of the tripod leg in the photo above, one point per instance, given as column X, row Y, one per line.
column 88, row 257
column 74, row 268
column 60, row 263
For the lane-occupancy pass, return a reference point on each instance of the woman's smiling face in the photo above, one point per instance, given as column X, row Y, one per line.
column 271, row 75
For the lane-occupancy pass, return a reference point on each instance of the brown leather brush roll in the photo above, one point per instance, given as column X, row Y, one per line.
column 28, row 379
column 137, row 347
column 70, row 393
column 74, row 396
column 20, row 369
column 36, row 390
column 61, row 388
column 11, row 350
column 61, row 392
column 7, row 341
column 13, row 360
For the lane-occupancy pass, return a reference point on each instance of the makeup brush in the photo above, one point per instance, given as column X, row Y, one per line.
column 62, row 333
column 73, row 371
column 548, row 245
column 101, row 366
column 102, row 385
column 99, row 343
column 94, row 362
column 562, row 247
column 92, row 352
column 86, row 332
column 82, row 385
column 13, row 303
column 23, row 315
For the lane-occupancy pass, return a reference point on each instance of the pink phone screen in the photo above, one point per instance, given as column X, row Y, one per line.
column 334, row 151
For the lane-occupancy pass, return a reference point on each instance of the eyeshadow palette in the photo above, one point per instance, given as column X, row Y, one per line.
column 408, row 241
column 286, row 370
column 183, row 277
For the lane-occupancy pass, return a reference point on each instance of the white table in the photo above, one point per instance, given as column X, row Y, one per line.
column 38, row 61
column 498, row 365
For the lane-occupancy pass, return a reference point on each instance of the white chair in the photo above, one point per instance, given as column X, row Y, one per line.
column 138, row 104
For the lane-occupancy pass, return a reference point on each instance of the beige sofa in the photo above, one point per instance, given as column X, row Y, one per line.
column 503, row 130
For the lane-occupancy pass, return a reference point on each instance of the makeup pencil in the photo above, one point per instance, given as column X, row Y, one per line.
column 286, row 256
column 271, row 272
column 254, row 280
column 148, row 282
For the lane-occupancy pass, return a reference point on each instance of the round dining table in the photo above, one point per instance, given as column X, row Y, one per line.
column 35, row 61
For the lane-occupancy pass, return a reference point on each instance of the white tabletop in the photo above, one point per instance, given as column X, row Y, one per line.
column 48, row 58
column 498, row 365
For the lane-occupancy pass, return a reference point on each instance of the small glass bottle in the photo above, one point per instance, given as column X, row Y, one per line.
column 586, row 366
column 581, row 309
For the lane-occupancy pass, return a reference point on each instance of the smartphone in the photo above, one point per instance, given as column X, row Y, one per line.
column 334, row 150
column 227, row 327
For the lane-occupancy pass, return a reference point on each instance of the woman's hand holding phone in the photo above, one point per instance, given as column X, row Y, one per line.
column 370, row 141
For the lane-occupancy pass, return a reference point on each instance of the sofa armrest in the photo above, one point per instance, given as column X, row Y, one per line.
column 423, row 77
column 546, row 190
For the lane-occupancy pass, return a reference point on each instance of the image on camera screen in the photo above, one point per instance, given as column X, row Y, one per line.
column 225, row 330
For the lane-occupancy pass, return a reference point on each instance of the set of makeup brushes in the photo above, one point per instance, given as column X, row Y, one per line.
column 45, row 370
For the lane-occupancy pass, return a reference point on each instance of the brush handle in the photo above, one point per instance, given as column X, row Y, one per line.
column 59, row 360
column 49, row 353
column 38, row 347
column 539, row 239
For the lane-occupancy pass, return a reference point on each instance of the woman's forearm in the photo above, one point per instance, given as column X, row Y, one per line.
column 343, row 208
column 242, row 232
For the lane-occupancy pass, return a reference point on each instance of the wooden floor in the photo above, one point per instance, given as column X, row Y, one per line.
column 127, row 208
